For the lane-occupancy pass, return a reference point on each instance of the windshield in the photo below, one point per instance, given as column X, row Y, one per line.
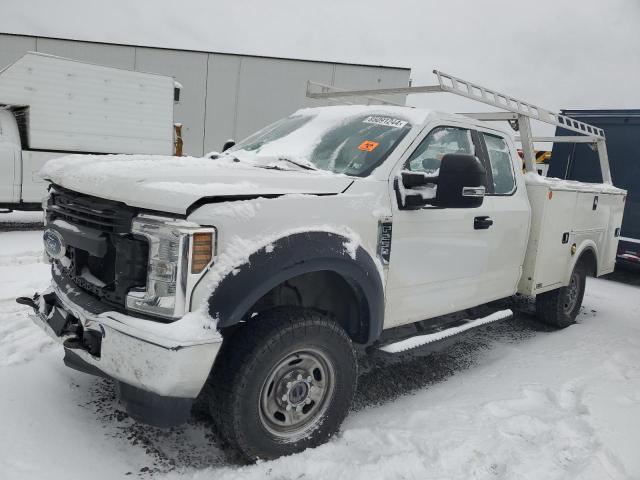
column 348, row 140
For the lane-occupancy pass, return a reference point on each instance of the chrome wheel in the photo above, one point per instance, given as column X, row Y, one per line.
column 572, row 293
column 296, row 394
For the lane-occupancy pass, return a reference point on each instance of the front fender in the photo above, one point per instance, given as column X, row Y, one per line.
column 289, row 257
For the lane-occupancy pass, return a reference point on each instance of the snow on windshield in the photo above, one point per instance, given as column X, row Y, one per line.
column 342, row 139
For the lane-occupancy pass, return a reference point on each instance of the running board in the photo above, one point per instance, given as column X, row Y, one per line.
column 419, row 340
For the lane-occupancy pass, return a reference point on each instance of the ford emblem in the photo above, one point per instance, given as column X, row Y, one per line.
column 54, row 243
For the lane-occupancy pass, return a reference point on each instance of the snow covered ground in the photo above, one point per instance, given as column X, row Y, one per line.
column 21, row 217
column 512, row 400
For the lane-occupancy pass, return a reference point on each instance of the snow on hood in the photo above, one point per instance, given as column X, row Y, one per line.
column 172, row 184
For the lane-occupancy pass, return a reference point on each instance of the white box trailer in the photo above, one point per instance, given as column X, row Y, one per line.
column 50, row 106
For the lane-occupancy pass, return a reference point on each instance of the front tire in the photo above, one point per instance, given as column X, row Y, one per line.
column 283, row 382
column 559, row 308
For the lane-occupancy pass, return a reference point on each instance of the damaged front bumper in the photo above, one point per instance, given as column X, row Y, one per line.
column 160, row 368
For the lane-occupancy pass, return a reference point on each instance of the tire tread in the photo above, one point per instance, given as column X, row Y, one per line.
column 241, row 353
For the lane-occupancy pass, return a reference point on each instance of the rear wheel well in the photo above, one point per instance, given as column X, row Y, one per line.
column 589, row 262
column 325, row 291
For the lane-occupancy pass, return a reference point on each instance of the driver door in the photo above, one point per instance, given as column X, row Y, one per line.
column 439, row 256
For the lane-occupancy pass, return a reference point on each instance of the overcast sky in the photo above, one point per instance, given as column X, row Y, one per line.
column 557, row 53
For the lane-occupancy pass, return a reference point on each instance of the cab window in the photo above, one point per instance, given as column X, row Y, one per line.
column 501, row 165
column 439, row 142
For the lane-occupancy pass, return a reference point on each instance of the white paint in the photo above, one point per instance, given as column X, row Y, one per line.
column 76, row 106
column 439, row 262
column 561, row 208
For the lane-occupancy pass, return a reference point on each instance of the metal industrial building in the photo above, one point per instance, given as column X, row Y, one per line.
column 224, row 95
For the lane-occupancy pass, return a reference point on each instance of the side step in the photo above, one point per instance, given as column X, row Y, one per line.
column 419, row 340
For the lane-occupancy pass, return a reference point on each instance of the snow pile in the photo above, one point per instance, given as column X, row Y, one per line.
column 22, row 271
column 532, row 178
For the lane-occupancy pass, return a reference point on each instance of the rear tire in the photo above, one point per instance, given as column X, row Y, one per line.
column 559, row 308
column 283, row 382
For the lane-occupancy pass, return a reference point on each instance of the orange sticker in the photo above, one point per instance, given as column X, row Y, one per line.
column 368, row 146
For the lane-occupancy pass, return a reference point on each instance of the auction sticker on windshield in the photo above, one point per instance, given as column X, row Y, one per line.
column 368, row 146
column 386, row 121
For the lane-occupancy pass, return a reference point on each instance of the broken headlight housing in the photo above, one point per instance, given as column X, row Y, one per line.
column 180, row 252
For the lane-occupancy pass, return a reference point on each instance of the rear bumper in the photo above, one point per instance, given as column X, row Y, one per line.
column 165, row 365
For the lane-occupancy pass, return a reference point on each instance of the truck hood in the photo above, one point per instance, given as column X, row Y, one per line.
column 173, row 184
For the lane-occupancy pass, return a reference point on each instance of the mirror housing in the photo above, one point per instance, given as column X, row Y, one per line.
column 461, row 182
column 414, row 179
column 228, row 144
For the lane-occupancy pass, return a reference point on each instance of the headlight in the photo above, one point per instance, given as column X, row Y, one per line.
column 179, row 254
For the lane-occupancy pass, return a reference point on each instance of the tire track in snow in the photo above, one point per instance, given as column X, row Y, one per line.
column 550, row 427
column 544, row 426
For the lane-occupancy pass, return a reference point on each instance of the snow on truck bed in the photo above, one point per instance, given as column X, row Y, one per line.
column 511, row 400
column 532, row 178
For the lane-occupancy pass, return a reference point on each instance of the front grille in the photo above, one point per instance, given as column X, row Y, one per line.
column 104, row 258
column 96, row 213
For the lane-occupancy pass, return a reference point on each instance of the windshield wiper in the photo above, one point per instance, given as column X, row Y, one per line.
column 298, row 164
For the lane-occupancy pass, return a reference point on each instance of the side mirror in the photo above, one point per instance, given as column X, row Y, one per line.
column 411, row 196
column 461, row 182
column 414, row 179
column 228, row 144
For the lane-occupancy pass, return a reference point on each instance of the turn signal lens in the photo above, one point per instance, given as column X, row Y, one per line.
column 201, row 251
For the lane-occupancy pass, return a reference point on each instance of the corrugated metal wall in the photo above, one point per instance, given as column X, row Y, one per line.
column 224, row 96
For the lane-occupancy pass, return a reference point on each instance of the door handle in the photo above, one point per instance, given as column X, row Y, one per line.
column 482, row 223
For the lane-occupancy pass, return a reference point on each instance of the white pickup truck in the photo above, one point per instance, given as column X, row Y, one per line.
column 52, row 106
column 254, row 277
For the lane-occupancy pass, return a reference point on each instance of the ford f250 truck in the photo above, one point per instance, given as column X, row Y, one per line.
column 254, row 277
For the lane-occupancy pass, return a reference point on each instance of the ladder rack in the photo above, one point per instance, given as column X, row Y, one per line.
column 520, row 111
